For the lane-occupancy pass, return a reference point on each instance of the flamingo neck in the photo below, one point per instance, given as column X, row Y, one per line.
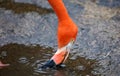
column 59, row 8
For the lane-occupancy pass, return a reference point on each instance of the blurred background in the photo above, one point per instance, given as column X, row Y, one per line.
column 28, row 37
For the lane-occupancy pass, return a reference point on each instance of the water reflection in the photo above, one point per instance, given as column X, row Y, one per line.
column 23, row 60
column 60, row 73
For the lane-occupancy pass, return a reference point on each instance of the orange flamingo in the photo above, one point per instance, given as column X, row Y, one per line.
column 66, row 34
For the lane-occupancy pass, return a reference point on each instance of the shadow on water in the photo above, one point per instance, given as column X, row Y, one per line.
column 23, row 7
column 24, row 60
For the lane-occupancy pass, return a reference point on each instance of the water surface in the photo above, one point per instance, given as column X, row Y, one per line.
column 26, row 60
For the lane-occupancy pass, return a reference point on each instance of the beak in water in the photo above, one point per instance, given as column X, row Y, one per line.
column 59, row 57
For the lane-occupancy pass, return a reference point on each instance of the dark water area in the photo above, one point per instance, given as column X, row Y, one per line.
column 25, row 61
column 23, row 7
column 28, row 38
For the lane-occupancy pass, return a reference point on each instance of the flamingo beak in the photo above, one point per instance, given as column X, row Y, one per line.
column 59, row 57
column 62, row 54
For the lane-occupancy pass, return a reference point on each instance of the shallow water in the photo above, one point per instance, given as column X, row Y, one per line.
column 26, row 60
column 32, row 26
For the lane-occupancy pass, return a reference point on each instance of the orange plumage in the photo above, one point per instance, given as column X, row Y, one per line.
column 67, row 29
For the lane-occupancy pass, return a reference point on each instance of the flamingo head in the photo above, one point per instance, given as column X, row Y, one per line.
column 62, row 53
column 59, row 57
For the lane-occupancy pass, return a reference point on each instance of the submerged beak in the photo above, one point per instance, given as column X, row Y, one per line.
column 62, row 54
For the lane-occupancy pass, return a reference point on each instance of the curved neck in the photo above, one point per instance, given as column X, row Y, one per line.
column 59, row 8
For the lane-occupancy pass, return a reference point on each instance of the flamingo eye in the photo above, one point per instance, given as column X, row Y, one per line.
column 72, row 41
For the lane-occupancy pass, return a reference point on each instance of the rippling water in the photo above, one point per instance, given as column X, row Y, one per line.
column 26, row 60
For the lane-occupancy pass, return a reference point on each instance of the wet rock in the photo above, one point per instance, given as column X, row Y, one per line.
column 24, row 28
column 3, row 54
column 80, row 67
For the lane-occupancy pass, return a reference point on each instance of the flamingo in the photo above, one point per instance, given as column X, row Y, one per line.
column 3, row 65
column 66, row 34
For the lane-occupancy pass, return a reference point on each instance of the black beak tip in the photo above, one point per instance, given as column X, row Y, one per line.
column 51, row 64
column 48, row 64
